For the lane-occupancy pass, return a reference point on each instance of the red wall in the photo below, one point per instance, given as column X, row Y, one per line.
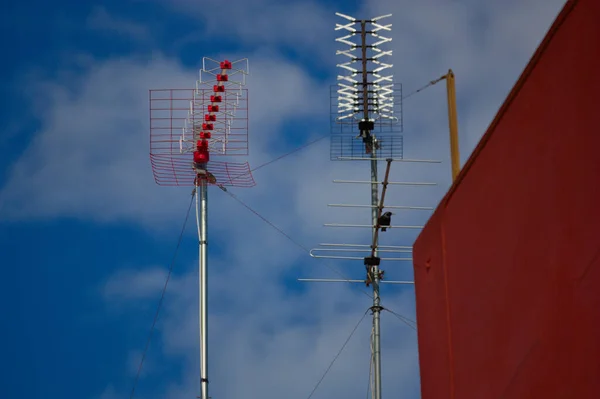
column 507, row 271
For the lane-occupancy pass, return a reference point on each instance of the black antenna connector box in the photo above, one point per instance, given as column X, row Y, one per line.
column 372, row 261
column 366, row 126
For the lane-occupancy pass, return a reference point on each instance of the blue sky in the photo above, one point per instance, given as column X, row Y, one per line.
column 86, row 236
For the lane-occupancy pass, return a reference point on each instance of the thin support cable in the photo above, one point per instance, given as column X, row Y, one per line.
column 424, row 87
column 162, row 297
column 411, row 323
column 303, row 146
column 235, row 197
column 290, row 153
column 338, row 354
column 305, row 249
column 404, row 319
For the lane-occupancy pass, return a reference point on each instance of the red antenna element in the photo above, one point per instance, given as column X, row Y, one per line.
column 190, row 129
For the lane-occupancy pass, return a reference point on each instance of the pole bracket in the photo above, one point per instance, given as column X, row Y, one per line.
column 376, row 308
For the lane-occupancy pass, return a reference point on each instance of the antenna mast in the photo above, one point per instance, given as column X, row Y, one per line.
column 374, row 102
column 366, row 109
column 187, row 126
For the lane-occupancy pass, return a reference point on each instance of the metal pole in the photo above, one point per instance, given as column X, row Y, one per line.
column 376, row 299
column 202, row 231
column 376, row 309
column 453, row 124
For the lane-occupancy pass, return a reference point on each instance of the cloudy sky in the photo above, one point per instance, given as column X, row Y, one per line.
column 86, row 236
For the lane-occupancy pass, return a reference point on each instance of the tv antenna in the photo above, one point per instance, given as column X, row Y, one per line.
column 366, row 122
column 187, row 126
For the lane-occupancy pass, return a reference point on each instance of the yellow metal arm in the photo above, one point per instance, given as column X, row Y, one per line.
column 453, row 124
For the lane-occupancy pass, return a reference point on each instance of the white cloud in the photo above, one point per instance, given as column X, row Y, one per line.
column 110, row 393
column 101, row 20
column 90, row 158
column 302, row 27
column 132, row 284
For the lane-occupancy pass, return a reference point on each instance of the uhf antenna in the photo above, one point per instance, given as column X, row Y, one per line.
column 366, row 122
column 187, row 126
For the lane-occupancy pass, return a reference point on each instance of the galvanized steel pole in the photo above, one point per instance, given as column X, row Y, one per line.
column 201, row 211
column 376, row 308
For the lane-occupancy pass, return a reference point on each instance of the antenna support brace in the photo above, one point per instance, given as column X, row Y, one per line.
column 372, row 261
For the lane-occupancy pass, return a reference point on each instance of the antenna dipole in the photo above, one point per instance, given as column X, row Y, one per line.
column 187, row 126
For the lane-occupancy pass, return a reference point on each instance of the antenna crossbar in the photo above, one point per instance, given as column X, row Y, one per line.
column 364, row 250
column 365, row 245
column 336, row 280
column 386, row 159
column 370, row 226
column 356, row 258
column 389, row 183
column 423, row 208
column 360, row 258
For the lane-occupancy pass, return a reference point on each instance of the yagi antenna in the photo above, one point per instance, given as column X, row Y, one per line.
column 187, row 128
column 366, row 122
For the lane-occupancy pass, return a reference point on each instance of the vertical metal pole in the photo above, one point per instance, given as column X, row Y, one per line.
column 453, row 124
column 376, row 299
column 202, row 215
column 376, row 309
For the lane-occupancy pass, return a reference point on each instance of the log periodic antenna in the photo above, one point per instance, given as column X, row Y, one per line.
column 366, row 122
column 187, row 126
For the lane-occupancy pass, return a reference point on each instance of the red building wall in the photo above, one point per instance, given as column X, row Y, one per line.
column 507, row 270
